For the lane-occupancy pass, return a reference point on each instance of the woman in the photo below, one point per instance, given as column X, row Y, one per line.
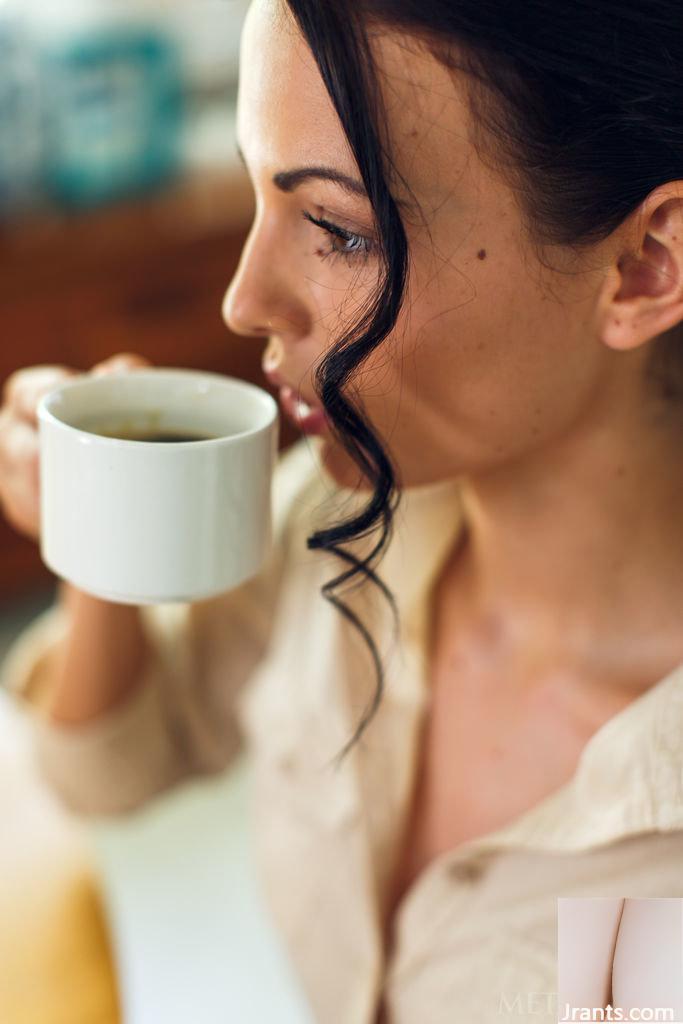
column 467, row 258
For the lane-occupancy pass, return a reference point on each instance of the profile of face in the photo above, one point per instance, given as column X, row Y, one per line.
column 498, row 355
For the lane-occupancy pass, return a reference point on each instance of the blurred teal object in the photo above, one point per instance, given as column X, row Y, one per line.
column 20, row 117
column 113, row 110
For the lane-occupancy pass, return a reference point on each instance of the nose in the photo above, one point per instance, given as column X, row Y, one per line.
column 260, row 298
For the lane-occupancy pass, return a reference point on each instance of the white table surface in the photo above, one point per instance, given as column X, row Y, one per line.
column 194, row 941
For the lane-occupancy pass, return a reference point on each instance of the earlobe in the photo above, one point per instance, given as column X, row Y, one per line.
column 643, row 293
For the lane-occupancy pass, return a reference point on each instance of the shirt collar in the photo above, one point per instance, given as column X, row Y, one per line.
column 629, row 777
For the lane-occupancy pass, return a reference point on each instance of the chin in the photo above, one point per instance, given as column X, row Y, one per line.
column 341, row 467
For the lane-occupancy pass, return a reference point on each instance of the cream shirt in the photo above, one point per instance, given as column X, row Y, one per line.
column 274, row 663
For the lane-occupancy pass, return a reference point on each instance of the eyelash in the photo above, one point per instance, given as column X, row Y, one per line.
column 363, row 247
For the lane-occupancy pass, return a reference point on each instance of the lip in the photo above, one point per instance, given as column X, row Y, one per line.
column 278, row 381
column 274, row 378
column 315, row 422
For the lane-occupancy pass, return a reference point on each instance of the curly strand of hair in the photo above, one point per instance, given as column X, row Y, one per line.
column 381, row 507
column 343, row 67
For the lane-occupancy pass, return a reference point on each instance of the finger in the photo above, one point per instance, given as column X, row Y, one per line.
column 121, row 361
column 24, row 388
column 20, row 447
column 24, row 518
column 7, row 421
column 21, row 475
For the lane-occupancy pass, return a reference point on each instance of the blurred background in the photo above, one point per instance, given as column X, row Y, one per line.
column 123, row 207
column 123, row 211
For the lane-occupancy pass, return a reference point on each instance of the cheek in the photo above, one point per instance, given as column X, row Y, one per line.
column 500, row 329
column 467, row 384
column 337, row 294
column 487, row 363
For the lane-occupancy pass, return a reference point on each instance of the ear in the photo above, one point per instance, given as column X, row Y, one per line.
column 642, row 295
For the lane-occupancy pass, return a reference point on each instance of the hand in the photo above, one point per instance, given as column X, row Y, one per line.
column 19, row 437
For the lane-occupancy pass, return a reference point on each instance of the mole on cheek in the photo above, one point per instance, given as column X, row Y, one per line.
column 481, row 255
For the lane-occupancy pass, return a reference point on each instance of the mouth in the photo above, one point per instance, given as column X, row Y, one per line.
column 310, row 419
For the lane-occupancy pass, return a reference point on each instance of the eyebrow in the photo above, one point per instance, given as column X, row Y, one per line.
column 288, row 181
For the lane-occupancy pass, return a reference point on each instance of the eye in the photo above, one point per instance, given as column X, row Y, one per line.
column 356, row 247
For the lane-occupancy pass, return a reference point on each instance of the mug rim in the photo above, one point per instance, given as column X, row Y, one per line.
column 46, row 414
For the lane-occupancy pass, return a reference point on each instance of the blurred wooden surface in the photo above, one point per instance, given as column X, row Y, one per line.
column 57, row 956
column 146, row 276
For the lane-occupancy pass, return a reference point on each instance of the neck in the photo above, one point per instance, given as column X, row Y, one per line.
column 577, row 551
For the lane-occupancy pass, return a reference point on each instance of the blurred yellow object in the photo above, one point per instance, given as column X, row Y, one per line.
column 56, row 962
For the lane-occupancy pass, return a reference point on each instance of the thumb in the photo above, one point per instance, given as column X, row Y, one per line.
column 121, row 361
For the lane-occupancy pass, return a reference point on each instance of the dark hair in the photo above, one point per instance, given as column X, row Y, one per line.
column 578, row 102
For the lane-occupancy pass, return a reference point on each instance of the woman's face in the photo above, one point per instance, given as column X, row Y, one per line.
column 494, row 356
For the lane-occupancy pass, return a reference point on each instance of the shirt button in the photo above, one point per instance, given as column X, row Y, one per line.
column 467, row 870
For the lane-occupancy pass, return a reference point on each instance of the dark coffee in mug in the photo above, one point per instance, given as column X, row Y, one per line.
column 142, row 434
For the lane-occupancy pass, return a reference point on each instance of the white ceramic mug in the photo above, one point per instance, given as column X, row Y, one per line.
column 147, row 522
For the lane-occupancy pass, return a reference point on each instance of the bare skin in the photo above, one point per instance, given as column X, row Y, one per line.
column 525, row 382
column 622, row 953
